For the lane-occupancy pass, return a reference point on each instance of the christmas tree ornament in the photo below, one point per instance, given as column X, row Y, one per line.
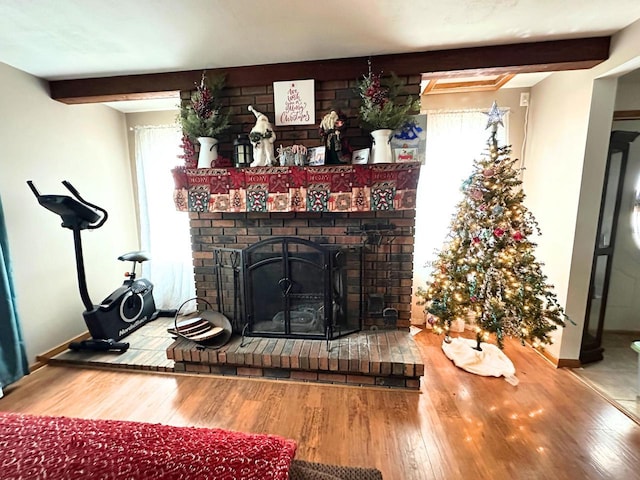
column 476, row 194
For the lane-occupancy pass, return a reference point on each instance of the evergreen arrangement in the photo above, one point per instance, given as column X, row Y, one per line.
column 202, row 116
column 379, row 107
column 487, row 270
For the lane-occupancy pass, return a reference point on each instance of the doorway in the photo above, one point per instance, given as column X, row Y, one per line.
column 613, row 194
column 613, row 309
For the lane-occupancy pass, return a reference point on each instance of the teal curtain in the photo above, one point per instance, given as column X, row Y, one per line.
column 13, row 357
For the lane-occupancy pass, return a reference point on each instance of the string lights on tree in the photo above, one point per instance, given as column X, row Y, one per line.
column 487, row 270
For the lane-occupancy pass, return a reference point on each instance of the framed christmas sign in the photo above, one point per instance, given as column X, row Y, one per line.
column 294, row 102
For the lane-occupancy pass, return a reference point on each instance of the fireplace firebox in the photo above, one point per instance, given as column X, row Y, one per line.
column 295, row 288
column 290, row 287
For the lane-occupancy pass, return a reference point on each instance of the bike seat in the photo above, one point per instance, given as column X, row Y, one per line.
column 134, row 257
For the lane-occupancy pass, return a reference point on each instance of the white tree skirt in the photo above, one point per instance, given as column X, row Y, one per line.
column 490, row 362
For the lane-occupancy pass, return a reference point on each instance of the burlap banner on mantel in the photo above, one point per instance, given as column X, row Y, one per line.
column 338, row 188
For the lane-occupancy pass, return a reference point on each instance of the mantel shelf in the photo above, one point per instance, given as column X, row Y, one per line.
column 331, row 188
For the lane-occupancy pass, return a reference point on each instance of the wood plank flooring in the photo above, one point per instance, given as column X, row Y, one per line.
column 550, row 426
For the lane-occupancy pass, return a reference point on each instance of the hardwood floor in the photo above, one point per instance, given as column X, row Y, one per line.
column 550, row 426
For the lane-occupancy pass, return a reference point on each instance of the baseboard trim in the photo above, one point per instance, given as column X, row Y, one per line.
column 43, row 358
column 568, row 363
column 559, row 362
column 623, row 331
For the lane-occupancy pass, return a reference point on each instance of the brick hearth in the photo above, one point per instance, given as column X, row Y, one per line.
column 383, row 358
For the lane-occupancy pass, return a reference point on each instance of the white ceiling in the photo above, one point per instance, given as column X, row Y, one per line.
column 65, row 39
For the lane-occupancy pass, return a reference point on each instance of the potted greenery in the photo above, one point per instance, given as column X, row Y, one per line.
column 382, row 113
column 201, row 118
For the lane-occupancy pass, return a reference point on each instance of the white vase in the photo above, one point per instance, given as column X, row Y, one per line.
column 381, row 148
column 208, row 151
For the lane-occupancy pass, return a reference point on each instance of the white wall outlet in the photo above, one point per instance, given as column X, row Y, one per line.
column 524, row 99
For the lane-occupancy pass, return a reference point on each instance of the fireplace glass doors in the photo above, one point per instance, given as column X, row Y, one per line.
column 295, row 288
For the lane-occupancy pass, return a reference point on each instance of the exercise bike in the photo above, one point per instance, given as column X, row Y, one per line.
column 130, row 306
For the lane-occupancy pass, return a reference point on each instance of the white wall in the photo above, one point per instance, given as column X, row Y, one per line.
column 560, row 111
column 47, row 142
column 628, row 95
column 570, row 123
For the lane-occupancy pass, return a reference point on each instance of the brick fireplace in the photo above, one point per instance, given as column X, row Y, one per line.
column 372, row 215
column 380, row 354
column 368, row 209
column 387, row 252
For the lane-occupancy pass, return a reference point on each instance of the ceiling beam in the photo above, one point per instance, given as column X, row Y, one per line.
column 547, row 56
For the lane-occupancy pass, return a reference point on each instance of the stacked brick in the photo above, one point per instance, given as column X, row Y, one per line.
column 388, row 262
column 388, row 266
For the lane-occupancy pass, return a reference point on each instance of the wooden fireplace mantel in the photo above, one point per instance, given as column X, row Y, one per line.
column 336, row 188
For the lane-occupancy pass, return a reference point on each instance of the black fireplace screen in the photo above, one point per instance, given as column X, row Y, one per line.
column 294, row 288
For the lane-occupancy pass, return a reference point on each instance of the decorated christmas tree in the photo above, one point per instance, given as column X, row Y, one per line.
column 486, row 272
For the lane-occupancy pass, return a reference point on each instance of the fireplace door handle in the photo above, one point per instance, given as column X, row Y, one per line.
column 285, row 286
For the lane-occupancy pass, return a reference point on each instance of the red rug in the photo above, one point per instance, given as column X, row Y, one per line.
column 38, row 447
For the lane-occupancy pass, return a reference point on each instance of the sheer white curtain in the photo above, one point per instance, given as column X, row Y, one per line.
column 164, row 231
column 454, row 140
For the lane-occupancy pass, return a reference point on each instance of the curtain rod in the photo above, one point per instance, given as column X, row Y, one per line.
column 150, row 127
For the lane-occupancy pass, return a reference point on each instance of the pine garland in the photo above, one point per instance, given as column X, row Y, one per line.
column 202, row 116
column 379, row 108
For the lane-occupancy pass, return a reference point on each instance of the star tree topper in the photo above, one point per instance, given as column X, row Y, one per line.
column 494, row 117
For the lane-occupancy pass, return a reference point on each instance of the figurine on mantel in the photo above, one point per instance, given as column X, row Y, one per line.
column 337, row 149
column 262, row 137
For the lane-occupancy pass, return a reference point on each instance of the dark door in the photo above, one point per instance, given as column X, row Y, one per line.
column 591, row 348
